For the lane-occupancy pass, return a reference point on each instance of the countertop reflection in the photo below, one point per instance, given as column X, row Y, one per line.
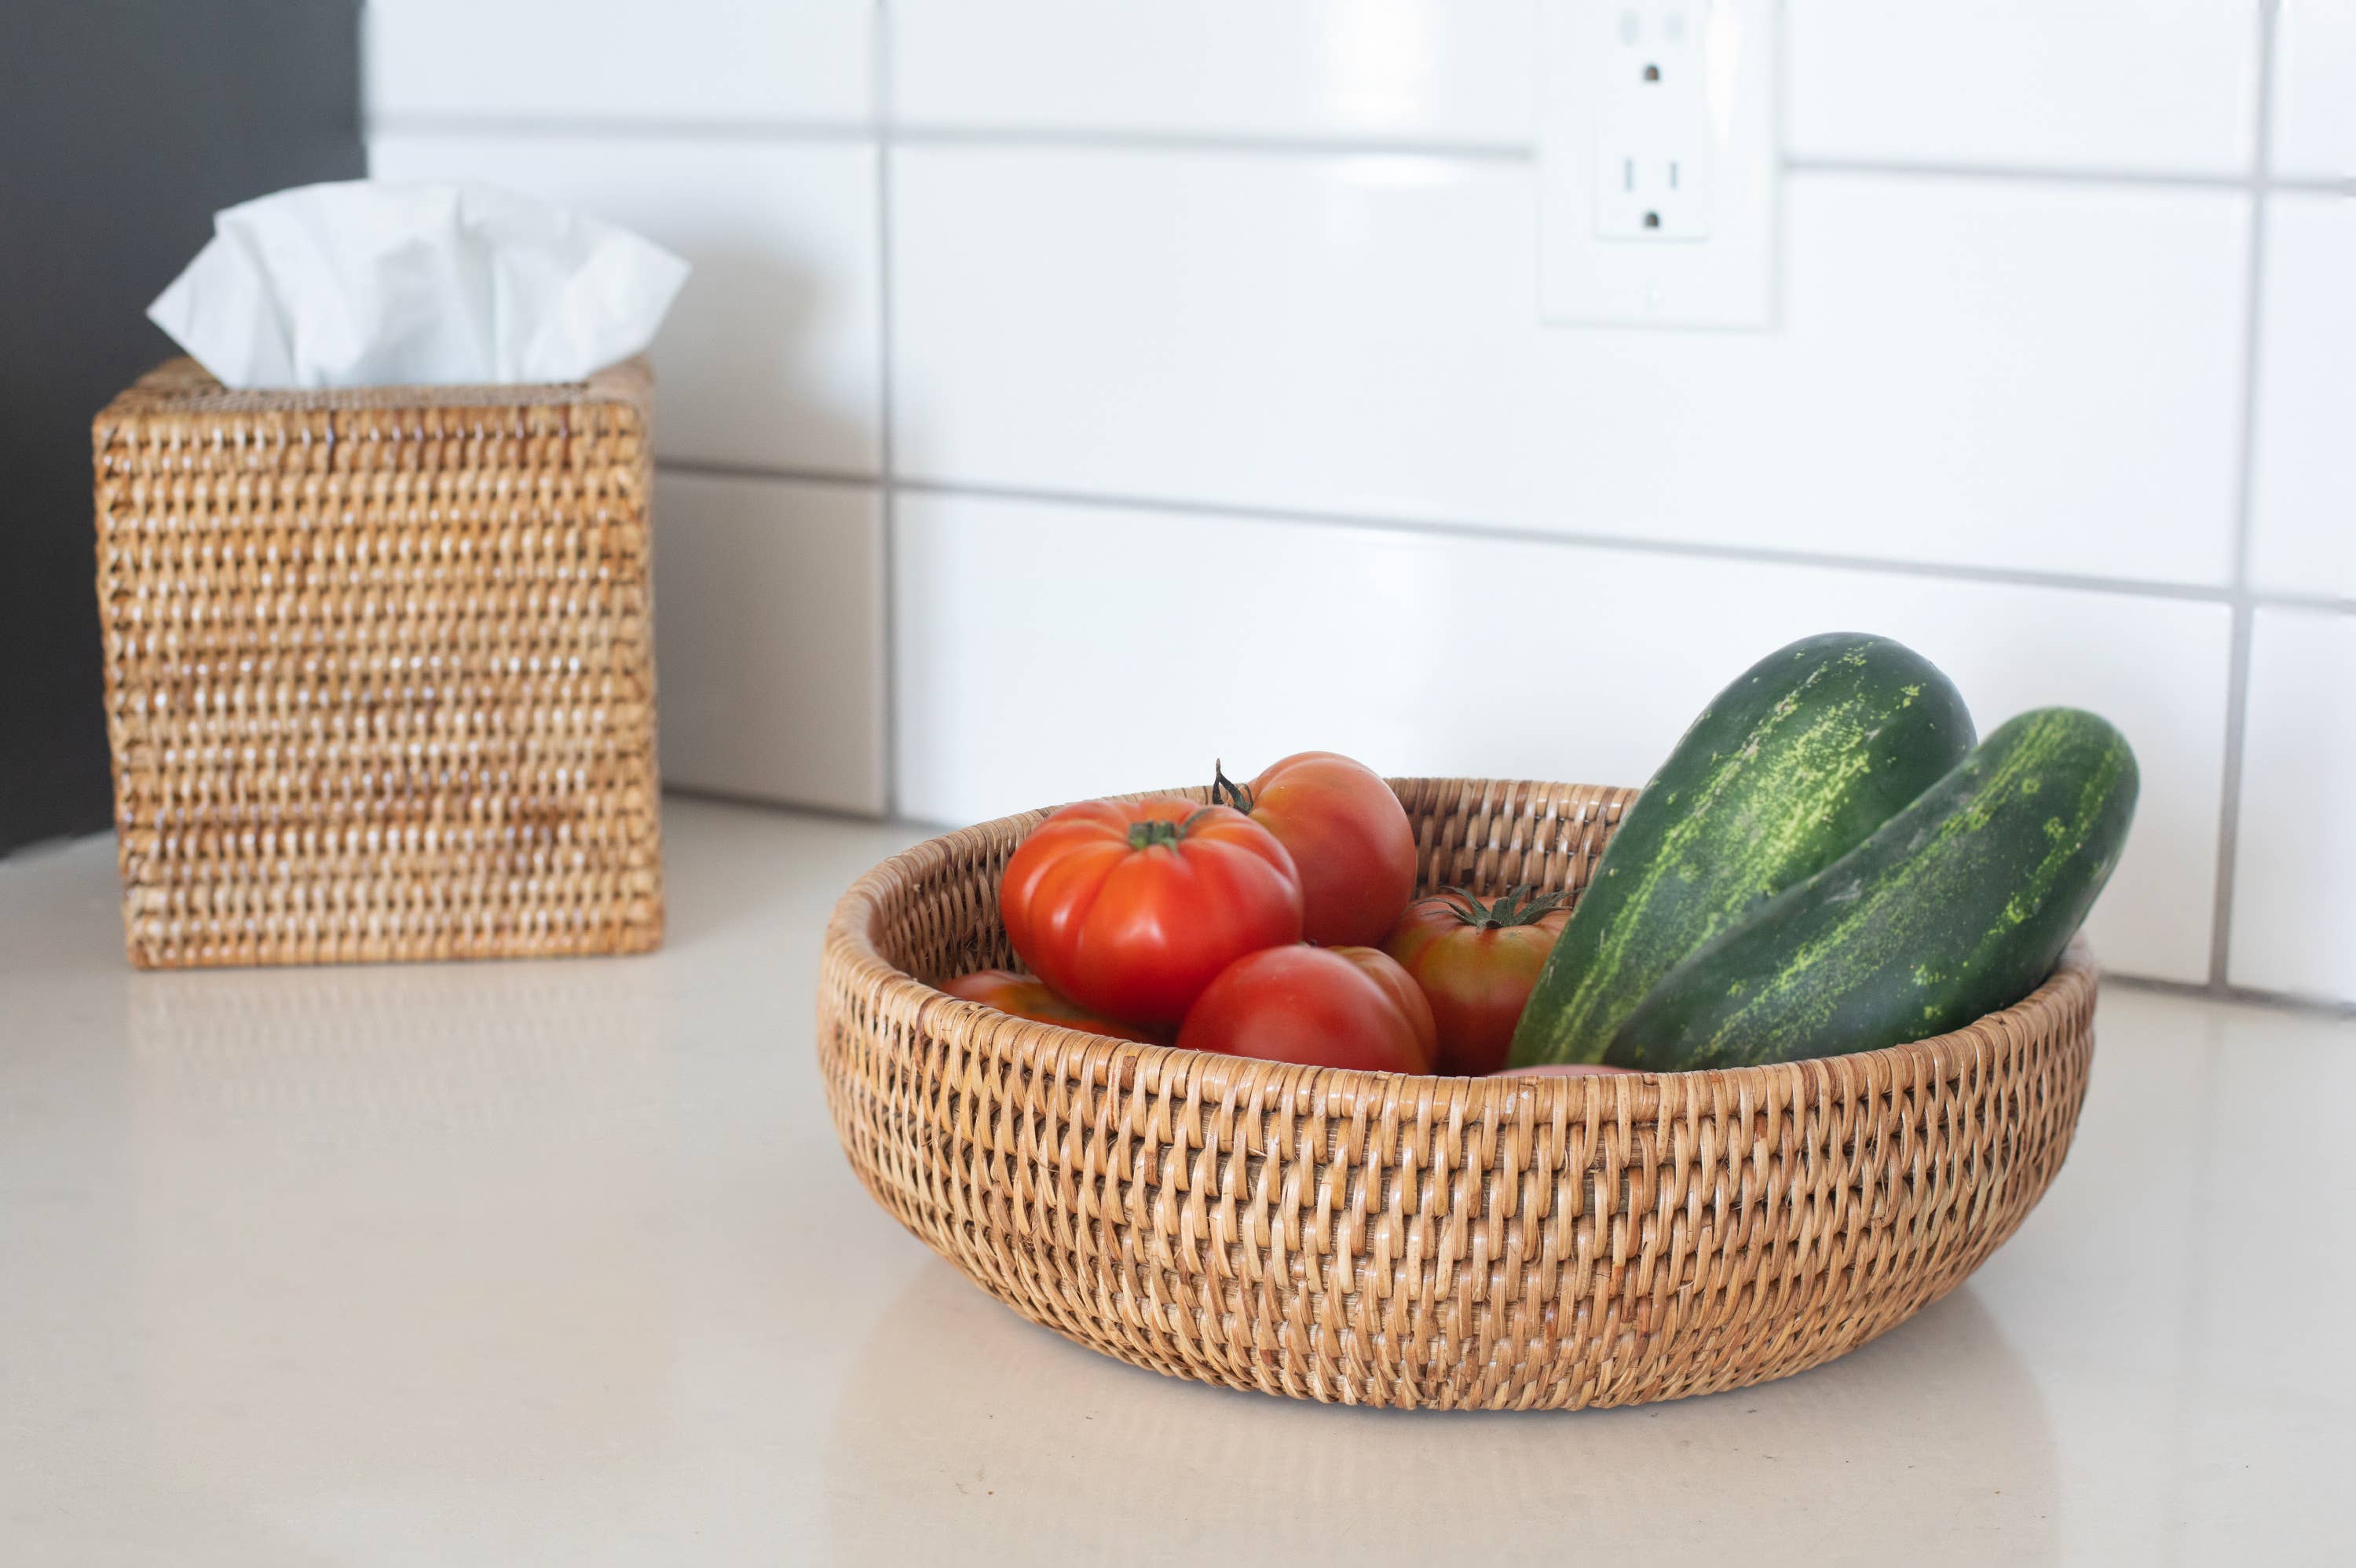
column 559, row 1261
column 959, row 1422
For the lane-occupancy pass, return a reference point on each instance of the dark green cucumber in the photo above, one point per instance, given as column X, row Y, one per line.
column 1958, row 906
column 1787, row 770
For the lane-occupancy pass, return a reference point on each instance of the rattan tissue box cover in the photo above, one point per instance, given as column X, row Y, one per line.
column 380, row 669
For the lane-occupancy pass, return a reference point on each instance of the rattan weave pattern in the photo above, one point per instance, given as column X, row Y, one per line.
column 380, row 669
column 1422, row 1241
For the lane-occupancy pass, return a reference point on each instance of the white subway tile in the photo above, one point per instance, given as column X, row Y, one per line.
column 1440, row 70
column 1046, row 652
column 2294, row 867
column 2157, row 86
column 2304, row 502
column 769, row 639
column 770, row 357
column 2149, row 85
column 2315, row 90
column 1991, row 373
column 809, row 62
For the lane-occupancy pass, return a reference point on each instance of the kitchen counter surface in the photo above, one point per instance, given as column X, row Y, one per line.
column 559, row 1261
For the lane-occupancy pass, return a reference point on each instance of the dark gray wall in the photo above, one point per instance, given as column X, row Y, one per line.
column 123, row 126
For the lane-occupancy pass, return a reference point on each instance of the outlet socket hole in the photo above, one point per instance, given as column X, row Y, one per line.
column 1652, row 73
column 1652, row 221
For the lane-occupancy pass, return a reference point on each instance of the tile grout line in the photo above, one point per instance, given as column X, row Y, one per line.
column 1441, row 530
column 2229, row 799
column 886, row 450
column 2244, row 612
column 882, row 125
column 883, row 130
column 1272, row 143
column 651, row 127
column 2059, row 173
column 715, row 468
column 850, row 815
column 2237, row 657
column 1777, row 319
column 2240, row 996
column 1302, row 144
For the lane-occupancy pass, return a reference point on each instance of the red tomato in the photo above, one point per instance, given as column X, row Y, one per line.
column 1322, row 1007
column 1027, row 997
column 1348, row 834
column 1131, row 907
column 1477, row 964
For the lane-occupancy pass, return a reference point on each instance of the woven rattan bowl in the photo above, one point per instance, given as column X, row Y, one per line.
column 1444, row 1242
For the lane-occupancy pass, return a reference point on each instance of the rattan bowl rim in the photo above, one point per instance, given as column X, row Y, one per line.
column 1043, row 1047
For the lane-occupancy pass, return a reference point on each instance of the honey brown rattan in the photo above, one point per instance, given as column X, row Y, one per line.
column 380, row 669
column 1423, row 1241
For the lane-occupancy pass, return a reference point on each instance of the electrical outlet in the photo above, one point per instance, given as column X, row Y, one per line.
column 1653, row 157
column 1658, row 166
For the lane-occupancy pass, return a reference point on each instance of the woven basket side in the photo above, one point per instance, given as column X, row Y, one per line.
column 379, row 673
column 1418, row 1241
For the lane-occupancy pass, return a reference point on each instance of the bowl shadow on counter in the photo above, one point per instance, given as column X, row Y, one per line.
column 961, row 1424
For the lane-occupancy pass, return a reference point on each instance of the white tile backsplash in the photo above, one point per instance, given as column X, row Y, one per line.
column 770, row 357
column 1173, row 639
column 2303, row 496
column 2146, row 85
column 2295, row 893
column 769, row 639
column 2153, row 86
column 1449, row 72
column 2315, row 90
column 799, row 63
column 1985, row 373
column 1188, row 266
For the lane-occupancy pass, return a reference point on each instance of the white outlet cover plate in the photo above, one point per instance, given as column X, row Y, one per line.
column 1591, row 273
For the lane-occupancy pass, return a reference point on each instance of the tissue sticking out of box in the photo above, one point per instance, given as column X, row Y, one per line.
column 366, row 283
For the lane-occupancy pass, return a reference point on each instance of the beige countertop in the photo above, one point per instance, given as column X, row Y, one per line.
column 559, row 1261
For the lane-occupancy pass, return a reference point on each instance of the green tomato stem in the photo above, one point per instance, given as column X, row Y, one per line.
column 1154, row 830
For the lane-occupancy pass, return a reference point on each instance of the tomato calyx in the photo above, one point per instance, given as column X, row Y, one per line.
column 1514, row 907
column 1225, row 791
column 1160, row 830
column 1155, row 830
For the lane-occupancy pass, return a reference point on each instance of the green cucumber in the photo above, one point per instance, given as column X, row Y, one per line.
column 1787, row 770
column 1956, row 907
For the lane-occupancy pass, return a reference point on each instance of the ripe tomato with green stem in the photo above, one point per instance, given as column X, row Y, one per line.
column 1028, row 997
column 1131, row 907
column 1477, row 963
column 1320, row 1007
column 1349, row 837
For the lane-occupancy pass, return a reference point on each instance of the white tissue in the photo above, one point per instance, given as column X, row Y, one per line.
column 363, row 283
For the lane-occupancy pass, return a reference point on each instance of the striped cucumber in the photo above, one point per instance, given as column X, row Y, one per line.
column 1787, row 770
column 1956, row 907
